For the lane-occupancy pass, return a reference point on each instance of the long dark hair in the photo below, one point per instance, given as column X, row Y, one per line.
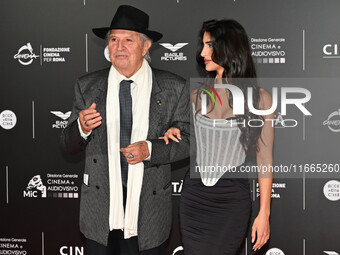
column 231, row 51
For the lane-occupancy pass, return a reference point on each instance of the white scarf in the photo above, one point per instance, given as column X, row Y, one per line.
column 140, row 115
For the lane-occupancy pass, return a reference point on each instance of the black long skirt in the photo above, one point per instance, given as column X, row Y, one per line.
column 214, row 220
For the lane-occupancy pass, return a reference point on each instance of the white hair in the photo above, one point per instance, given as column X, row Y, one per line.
column 146, row 38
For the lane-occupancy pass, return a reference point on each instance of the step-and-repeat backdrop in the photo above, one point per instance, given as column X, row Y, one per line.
column 46, row 45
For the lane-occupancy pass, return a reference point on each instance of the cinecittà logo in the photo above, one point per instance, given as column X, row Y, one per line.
column 331, row 190
column 275, row 251
column 63, row 116
column 8, row 119
column 25, row 55
column 333, row 121
column 173, row 56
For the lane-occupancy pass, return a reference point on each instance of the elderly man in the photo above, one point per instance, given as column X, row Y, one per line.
column 117, row 117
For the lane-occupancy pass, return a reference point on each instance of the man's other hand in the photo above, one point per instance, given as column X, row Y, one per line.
column 89, row 119
column 136, row 152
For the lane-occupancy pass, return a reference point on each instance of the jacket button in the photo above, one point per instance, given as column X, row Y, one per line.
column 154, row 192
column 95, row 160
column 97, row 186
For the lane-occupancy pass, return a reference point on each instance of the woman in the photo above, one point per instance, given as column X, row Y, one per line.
column 215, row 210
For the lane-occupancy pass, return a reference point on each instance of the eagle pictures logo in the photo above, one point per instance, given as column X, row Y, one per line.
column 64, row 116
column 173, row 55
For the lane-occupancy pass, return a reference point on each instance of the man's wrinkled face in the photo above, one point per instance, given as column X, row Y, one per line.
column 127, row 50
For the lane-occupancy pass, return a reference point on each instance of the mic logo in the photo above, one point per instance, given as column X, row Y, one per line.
column 34, row 187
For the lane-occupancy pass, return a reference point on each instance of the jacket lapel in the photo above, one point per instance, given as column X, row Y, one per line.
column 156, row 108
column 100, row 94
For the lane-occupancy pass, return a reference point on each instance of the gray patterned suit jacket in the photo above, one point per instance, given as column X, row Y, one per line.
column 169, row 107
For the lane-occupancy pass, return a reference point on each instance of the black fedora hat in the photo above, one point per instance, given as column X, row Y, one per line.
column 129, row 18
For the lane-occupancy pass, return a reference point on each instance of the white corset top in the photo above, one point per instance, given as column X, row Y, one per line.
column 218, row 147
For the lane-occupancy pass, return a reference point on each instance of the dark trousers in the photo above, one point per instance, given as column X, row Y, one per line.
column 117, row 245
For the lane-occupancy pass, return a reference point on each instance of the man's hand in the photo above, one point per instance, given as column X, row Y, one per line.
column 89, row 119
column 138, row 152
